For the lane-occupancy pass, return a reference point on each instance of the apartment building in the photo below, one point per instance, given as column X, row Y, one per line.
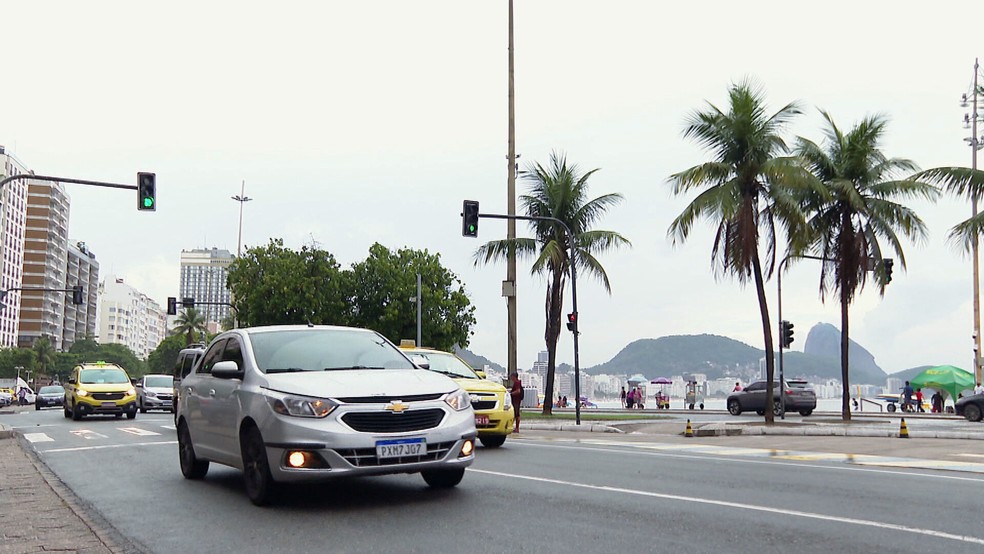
column 13, row 216
column 80, row 321
column 42, row 312
column 203, row 277
column 129, row 317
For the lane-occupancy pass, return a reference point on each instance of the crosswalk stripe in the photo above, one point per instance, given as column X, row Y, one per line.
column 138, row 431
column 87, row 434
column 38, row 437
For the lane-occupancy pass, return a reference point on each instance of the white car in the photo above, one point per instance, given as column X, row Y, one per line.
column 301, row 403
column 6, row 399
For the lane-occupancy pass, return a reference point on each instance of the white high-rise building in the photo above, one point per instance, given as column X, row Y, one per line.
column 83, row 270
column 129, row 317
column 13, row 217
column 203, row 277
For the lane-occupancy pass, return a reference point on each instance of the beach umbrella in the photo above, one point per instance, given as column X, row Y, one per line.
column 947, row 378
column 661, row 381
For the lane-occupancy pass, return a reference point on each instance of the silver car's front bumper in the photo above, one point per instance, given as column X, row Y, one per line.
column 346, row 451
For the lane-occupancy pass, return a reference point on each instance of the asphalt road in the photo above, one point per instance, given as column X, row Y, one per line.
column 541, row 492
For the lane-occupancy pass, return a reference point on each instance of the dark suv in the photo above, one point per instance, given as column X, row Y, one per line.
column 187, row 358
column 798, row 398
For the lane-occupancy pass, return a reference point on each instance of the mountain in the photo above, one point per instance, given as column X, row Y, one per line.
column 476, row 361
column 824, row 340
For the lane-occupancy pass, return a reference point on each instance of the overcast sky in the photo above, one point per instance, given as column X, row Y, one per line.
column 360, row 122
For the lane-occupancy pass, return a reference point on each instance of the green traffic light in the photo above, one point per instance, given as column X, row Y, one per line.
column 471, row 228
column 148, row 202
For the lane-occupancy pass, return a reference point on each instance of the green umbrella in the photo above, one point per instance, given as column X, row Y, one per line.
column 948, row 378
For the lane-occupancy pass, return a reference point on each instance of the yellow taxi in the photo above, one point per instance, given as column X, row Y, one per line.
column 99, row 388
column 494, row 417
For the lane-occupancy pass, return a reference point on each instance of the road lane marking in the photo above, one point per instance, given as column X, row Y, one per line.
column 171, row 427
column 138, row 431
column 87, row 434
column 102, row 446
column 38, row 437
column 687, row 456
column 735, row 505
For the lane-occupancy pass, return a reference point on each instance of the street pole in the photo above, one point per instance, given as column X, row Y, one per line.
column 419, row 343
column 509, row 286
column 242, row 199
column 974, row 147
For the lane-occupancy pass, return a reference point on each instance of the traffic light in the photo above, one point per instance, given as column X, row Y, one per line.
column 469, row 218
column 887, row 264
column 78, row 295
column 572, row 322
column 146, row 191
column 172, row 305
column 785, row 333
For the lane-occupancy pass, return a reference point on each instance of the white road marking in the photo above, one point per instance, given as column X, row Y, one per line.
column 100, row 447
column 735, row 505
column 969, row 454
column 138, row 431
column 87, row 434
column 171, row 427
column 38, row 437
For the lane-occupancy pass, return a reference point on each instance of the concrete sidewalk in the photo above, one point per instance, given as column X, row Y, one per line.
column 40, row 514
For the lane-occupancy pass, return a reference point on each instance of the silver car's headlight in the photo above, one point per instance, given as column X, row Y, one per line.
column 150, row 394
column 458, row 400
column 301, row 406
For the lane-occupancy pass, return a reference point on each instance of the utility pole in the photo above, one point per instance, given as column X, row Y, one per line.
column 970, row 120
column 509, row 285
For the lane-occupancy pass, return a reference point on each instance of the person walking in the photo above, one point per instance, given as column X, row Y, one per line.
column 919, row 400
column 907, row 397
column 622, row 396
column 979, row 389
column 22, row 397
column 516, row 393
column 937, row 401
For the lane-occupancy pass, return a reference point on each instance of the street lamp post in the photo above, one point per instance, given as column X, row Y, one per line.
column 976, row 143
column 242, row 199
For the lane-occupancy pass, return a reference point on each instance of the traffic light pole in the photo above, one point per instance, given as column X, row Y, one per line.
column 66, row 180
column 570, row 235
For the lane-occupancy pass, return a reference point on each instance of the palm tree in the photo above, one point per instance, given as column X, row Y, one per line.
column 45, row 354
column 855, row 209
column 960, row 181
column 190, row 323
column 747, row 190
column 559, row 191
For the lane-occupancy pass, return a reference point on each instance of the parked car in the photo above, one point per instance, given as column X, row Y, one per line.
column 155, row 392
column 798, row 398
column 494, row 416
column 6, row 399
column 50, row 396
column 971, row 407
column 99, row 388
column 302, row 402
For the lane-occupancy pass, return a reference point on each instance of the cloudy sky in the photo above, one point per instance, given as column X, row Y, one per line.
column 360, row 122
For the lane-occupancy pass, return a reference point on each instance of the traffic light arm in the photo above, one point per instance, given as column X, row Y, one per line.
column 66, row 180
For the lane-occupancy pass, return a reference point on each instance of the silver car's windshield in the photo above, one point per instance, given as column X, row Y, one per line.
column 159, row 381
column 324, row 350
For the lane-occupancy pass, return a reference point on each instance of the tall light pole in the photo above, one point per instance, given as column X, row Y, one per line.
column 976, row 143
column 242, row 199
column 509, row 285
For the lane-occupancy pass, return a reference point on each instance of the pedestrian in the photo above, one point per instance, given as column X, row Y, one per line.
column 979, row 389
column 737, row 387
column 516, row 392
column 564, row 402
column 22, row 397
column 622, row 396
column 919, row 400
column 937, row 401
column 630, row 398
column 907, row 397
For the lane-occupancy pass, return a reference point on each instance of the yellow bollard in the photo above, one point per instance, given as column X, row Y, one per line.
column 903, row 430
column 689, row 432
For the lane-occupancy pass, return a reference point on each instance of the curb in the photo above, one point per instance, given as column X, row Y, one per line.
column 590, row 428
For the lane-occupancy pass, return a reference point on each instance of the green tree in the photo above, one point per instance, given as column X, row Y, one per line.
column 274, row 285
column 961, row 182
column 190, row 323
column 383, row 286
column 746, row 191
column 163, row 358
column 559, row 191
column 45, row 354
column 854, row 211
column 10, row 358
column 122, row 356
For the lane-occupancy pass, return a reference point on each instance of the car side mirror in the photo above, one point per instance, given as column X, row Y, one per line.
column 227, row 369
column 71, row 381
column 481, row 374
column 421, row 361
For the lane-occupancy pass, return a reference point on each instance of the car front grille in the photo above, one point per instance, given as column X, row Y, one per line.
column 391, row 422
column 366, row 457
column 484, row 404
column 167, row 397
column 108, row 396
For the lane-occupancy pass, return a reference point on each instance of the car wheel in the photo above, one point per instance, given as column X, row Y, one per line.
column 191, row 467
column 734, row 407
column 777, row 407
column 760, row 412
column 76, row 413
column 492, row 441
column 132, row 414
column 68, row 413
column 805, row 413
column 891, row 407
column 972, row 412
column 143, row 409
column 37, row 407
column 256, row 468
column 443, row 478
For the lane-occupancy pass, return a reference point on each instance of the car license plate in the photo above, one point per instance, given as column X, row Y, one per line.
column 481, row 420
column 399, row 448
column 109, row 404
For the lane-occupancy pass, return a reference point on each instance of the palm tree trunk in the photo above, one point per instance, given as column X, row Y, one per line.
column 845, row 345
column 770, row 366
column 555, row 298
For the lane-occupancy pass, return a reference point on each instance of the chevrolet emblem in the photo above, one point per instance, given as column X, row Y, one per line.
column 397, row 406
